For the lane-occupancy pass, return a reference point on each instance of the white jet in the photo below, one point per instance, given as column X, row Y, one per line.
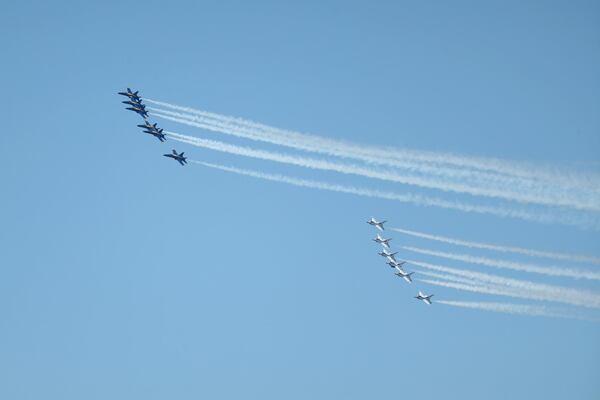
column 424, row 297
column 376, row 224
column 382, row 241
column 404, row 275
column 396, row 264
column 388, row 255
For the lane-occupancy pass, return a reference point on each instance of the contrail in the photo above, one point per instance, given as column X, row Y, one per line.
column 451, row 278
column 247, row 133
column 542, row 196
column 425, row 182
column 520, row 309
column 586, row 221
column 567, row 179
column 515, row 287
column 324, row 165
column 404, row 198
column 483, row 289
column 516, row 266
column 476, row 289
column 505, row 249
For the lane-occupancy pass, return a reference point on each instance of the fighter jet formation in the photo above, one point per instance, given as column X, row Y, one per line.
column 134, row 101
column 392, row 262
column 153, row 130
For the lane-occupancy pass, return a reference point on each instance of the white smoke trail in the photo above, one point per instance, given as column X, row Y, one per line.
column 314, row 163
column 483, row 289
column 386, row 155
column 574, row 296
column 452, row 278
column 248, row 133
column 404, row 198
column 542, row 196
column 505, row 249
column 516, row 266
column 519, row 309
column 515, row 287
column 478, row 289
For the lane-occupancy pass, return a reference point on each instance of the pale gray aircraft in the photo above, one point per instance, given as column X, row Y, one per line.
column 396, row 264
column 388, row 255
column 424, row 297
column 382, row 241
column 376, row 224
column 404, row 275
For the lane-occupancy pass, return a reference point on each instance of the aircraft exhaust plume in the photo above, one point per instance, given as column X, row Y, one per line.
column 320, row 164
column 516, row 266
column 557, row 187
column 404, row 198
column 225, row 127
column 505, row 249
column 450, row 278
column 485, row 289
column 508, row 308
column 582, row 221
column 533, row 290
column 502, row 167
column 353, row 169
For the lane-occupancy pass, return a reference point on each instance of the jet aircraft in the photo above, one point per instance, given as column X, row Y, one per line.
column 157, row 134
column 139, row 110
column 130, row 94
column 134, row 103
column 396, row 264
column 404, row 275
column 179, row 157
column 388, row 255
column 382, row 241
column 424, row 297
column 376, row 224
column 149, row 126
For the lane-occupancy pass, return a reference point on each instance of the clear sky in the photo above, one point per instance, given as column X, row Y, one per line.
column 126, row 276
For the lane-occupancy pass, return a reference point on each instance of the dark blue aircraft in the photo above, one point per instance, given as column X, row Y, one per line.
column 153, row 130
column 135, row 103
column 179, row 157
column 147, row 125
column 131, row 95
column 140, row 109
column 157, row 134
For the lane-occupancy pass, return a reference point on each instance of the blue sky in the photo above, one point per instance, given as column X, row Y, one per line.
column 123, row 275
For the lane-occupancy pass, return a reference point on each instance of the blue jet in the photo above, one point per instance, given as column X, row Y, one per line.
column 131, row 95
column 179, row 157
column 157, row 134
column 147, row 125
column 135, row 103
column 153, row 130
column 140, row 109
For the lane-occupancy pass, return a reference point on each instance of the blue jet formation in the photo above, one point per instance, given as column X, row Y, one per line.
column 134, row 101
